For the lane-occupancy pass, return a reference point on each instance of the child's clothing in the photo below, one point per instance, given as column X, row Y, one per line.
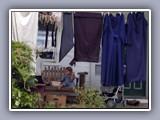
column 67, row 81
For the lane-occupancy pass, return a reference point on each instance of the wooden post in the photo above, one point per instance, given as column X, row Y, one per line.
column 82, row 78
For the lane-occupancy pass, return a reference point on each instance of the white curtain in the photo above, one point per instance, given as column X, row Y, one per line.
column 25, row 29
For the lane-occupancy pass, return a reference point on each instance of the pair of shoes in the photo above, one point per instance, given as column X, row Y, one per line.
column 133, row 102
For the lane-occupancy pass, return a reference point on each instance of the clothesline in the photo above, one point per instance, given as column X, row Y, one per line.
column 120, row 12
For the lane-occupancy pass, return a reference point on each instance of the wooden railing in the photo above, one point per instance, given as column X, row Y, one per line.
column 54, row 73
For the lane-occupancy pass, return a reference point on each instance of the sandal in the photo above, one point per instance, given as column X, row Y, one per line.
column 133, row 102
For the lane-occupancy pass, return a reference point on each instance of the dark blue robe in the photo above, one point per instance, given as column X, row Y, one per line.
column 136, row 47
column 112, row 50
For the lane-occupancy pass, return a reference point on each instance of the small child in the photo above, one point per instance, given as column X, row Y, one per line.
column 67, row 79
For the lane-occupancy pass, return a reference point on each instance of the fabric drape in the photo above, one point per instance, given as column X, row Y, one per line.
column 88, row 30
column 112, row 50
column 136, row 47
column 67, row 35
column 25, row 29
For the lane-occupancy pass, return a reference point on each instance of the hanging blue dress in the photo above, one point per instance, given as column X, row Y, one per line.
column 136, row 47
column 112, row 50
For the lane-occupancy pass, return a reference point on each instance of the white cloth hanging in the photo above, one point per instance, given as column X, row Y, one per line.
column 58, row 16
column 24, row 29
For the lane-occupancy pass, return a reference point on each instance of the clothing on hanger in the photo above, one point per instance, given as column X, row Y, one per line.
column 88, row 29
column 67, row 35
column 47, row 31
column 54, row 35
column 112, row 50
column 55, row 38
column 136, row 47
column 25, row 29
column 50, row 31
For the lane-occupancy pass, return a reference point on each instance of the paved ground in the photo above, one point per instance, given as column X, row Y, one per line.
column 143, row 105
column 120, row 106
column 140, row 106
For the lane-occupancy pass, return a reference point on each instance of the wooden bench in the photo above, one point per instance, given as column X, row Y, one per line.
column 54, row 73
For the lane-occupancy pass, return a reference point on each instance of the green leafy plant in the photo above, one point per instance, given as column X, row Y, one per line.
column 21, row 68
column 48, row 105
column 22, row 80
column 89, row 98
column 24, row 99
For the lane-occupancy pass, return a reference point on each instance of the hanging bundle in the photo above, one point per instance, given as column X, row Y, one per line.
column 47, row 24
column 46, row 17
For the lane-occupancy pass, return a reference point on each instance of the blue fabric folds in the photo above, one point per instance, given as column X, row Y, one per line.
column 136, row 47
column 114, row 38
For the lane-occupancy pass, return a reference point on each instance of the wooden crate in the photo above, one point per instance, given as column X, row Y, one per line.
column 58, row 100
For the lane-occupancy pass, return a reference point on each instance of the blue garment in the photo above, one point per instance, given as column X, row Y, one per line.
column 112, row 50
column 67, row 81
column 136, row 47
column 67, row 35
